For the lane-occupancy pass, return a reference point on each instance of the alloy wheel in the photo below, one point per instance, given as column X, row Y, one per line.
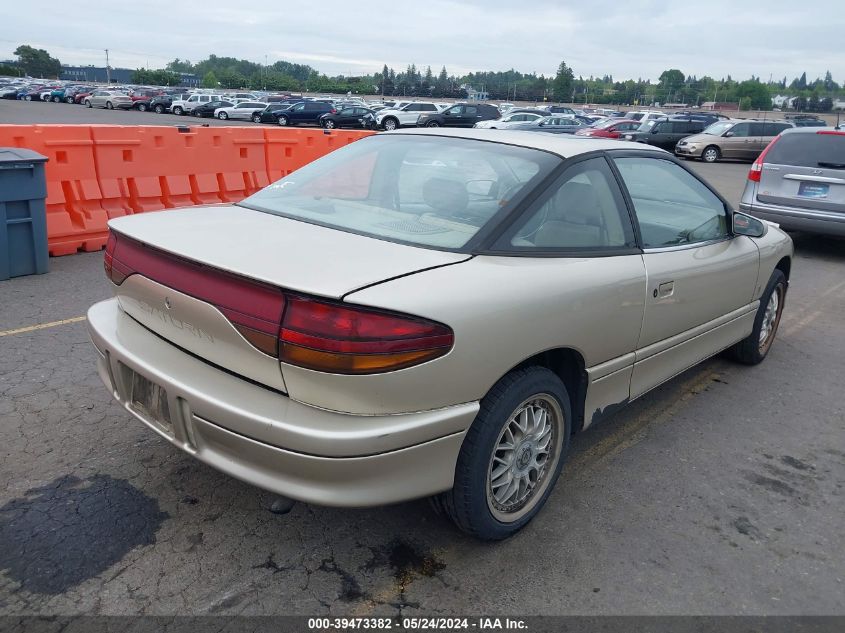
column 523, row 456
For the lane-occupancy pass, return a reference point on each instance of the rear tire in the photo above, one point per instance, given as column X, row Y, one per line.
column 711, row 154
column 329, row 124
column 432, row 124
column 142, row 107
column 754, row 349
column 109, row 105
column 498, row 453
column 88, row 104
column 57, row 99
column 256, row 118
column 159, row 109
column 69, row 100
column 282, row 120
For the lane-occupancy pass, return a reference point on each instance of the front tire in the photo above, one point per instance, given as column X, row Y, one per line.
column 222, row 116
column 178, row 111
column 754, row 349
column 329, row 124
column 432, row 124
column 109, row 105
column 282, row 120
column 390, row 124
column 159, row 109
column 57, row 99
column 711, row 154
column 511, row 456
column 256, row 118
column 88, row 104
column 69, row 100
column 142, row 107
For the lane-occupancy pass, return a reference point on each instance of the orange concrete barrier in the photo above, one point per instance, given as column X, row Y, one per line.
column 289, row 149
column 76, row 219
column 97, row 172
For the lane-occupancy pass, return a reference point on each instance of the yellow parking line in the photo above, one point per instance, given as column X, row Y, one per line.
column 41, row 326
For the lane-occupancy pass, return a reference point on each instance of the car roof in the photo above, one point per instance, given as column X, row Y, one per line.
column 812, row 130
column 564, row 147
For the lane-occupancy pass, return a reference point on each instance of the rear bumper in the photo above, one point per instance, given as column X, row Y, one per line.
column 789, row 218
column 264, row 438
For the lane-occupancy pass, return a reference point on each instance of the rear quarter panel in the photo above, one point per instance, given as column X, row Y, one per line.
column 503, row 310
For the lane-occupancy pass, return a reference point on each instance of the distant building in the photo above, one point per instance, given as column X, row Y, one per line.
column 720, row 105
column 118, row 75
column 475, row 95
column 839, row 104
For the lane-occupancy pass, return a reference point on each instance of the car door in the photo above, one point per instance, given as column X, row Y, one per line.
column 579, row 238
column 661, row 134
column 738, row 142
column 701, row 279
column 347, row 117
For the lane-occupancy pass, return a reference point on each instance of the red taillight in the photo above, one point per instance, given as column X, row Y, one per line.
column 341, row 339
column 757, row 167
column 333, row 111
column 312, row 333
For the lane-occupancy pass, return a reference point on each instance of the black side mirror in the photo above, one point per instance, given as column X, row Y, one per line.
column 746, row 225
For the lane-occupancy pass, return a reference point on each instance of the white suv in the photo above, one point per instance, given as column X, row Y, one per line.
column 185, row 106
column 404, row 114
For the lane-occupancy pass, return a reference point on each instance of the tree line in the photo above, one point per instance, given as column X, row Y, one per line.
column 673, row 86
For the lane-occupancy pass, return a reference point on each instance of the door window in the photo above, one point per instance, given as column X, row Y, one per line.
column 673, row 207
column 583, row 210
column 298, row 108
column 741, row 130
column 773, row 129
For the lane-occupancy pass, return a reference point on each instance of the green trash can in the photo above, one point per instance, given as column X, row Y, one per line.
column 23, row 213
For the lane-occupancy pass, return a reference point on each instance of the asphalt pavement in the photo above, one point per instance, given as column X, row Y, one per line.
column 719, row 493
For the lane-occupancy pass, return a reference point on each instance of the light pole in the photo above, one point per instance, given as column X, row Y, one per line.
column 108, row 70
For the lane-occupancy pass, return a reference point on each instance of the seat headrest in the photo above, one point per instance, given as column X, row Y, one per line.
column 577, row 203
column 446, row 196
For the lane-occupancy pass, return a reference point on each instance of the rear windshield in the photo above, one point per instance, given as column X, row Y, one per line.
column 808, row 150
column 421, row 190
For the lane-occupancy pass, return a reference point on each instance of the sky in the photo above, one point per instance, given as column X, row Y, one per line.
column 627, row 39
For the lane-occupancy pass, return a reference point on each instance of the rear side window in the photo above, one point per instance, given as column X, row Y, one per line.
column 673, row 207
column 582, row 210
column 808, row 150
column 773, row 129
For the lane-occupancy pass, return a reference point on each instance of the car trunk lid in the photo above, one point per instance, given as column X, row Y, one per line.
column 211, row 279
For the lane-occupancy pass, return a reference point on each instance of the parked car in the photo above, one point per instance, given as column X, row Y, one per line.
column 79, row 97
column 404, row 115
column 512, row 118
column 71, row 92
column 242, row 111
column 189, row 102
column 161, row 103
column 552, row 125
column 665, row 133
column 559, row 109
column 32, row 93
column 645, row 115
column 108, row 99
column 609, row 128
column 799, row 181
column 731, row 139
column 460, row 115
column 353, row 116
column 356, row 385
column 210, row 108
column 304, row 112
column 270, row 113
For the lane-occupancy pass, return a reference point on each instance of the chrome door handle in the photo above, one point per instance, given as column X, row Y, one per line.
column 664, row 290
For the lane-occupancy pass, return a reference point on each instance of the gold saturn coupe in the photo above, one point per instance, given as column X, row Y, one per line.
column 431, row 313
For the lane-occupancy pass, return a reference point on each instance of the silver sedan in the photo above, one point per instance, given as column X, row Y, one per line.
column 430, row 313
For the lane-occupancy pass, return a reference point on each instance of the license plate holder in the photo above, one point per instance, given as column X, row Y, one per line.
column 150, row 401
column 813, row 190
